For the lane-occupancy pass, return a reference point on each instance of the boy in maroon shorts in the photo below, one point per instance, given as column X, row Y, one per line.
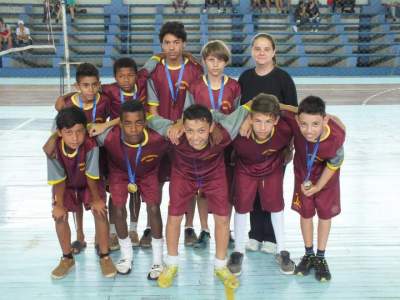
column 133, row 155
column 96, row 107
column 74, row 174
column 198, row 164
column 167, row 87
column 318, row 142
column 259, row 167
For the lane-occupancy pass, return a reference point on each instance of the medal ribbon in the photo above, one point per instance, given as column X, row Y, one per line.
column 122, row 98
column 131, row 172
column 93, row 109
column 174, row 93
column 220, row 95
column 310, row 157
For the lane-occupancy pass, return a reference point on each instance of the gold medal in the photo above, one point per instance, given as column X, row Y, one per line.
column 307, row 184
column 132, row 188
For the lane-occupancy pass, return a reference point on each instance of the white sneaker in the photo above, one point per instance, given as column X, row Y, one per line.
column 268, row 247
column 294, row 28
column 155, row 272
column 124, row 266
column 253, row 245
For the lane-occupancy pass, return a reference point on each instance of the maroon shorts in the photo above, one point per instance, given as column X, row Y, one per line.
column 164, row 172
column 182, row 191
column 74, row 198
column 149, row 189
column 326, row 203
column 269, row 187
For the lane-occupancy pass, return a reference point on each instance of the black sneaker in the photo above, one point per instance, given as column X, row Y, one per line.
column 203, row 240
column 231, row 243
column 321, row 269
column 145, row 240
column 190, row 236
column 235, row 263
column 305, row 265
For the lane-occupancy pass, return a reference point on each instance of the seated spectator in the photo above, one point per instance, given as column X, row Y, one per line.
column 51, row 8
column 346, row 6
column 313, row 14
column 300, row 15
column 23, row 35
column 391, row 6
column 5, row 35
column 71, row 4
column 220, row 4
column 180, row 5
column 260, row 5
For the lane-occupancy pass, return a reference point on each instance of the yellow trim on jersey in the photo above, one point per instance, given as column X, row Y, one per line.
column 149, row 116
column 263, row 141
column 70, row 155
column 326, row 133
column 92, row 176
column 146, row 139
column 156, row 58
column 247, row 107
column 291, row 108
column 152, row 103
column 185, row 61
column 226, row 78
column 130, row 94
column 86, row 106
column 57, row 181
column 333, row 167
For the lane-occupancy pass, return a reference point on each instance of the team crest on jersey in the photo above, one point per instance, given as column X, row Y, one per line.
column 226, row 105
column 149, row 158
column 184, row 85
column 82, row 166
column 268, row 152
column 296, row 201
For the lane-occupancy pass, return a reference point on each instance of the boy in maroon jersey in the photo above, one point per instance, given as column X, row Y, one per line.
column 198, row 164
column 167, row 86
column 134, row 154
column 96, row 107
column 74, row 174
column 259, row 167
column 318, row 143
column 217, row 92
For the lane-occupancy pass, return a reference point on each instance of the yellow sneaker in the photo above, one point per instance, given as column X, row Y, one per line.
column 228, row 279
column 63, row 268
column 167, row 276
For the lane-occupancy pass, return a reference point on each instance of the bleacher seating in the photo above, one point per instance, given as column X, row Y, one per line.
column 358, row 43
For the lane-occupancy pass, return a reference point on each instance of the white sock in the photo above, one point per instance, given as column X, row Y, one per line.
column 240, row 232
column 112, row 229
column 133, row 226
column 278, row 225
column 126, row 248
column 157, row 245
column 172, row 260
column 206, row 230
column 219, row 263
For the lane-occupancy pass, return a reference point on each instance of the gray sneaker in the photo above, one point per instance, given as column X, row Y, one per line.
column 235, row 263
column 286, row 265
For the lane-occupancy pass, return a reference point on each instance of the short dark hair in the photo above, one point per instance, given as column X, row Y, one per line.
column 175, row 28
column 312, row 105
column 124, row 62
column 266, row 104
column 69, row 117
column 197, row 112
column 86, row 70
column 132, row 106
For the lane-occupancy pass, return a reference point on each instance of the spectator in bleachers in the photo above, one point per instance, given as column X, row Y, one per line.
column 300, row 15
column 346, row 6
column 220, row 4
column 260, row 5
column 180, row 5
column 313, row 14
column 23, row 35
column 71, row 4
column 5, row 35
column 391, row 6
column 51, row 8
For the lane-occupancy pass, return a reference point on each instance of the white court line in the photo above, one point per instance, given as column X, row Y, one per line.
column 378, row 94
column 22, row 124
